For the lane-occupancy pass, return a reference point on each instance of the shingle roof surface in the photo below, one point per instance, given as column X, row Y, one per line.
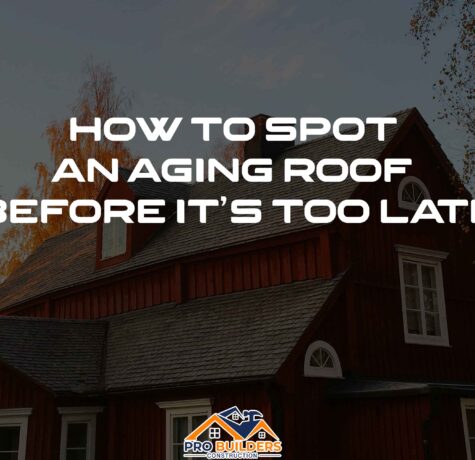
column 229, row 337
column 64, row 356
column 241, row 336
column 69, row 259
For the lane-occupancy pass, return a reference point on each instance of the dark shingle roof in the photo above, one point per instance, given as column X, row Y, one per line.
column 230, row 337
column 69, row 259
column 234, row 337
column 63, row 356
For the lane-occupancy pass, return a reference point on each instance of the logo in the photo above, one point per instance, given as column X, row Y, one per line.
column 232, row 434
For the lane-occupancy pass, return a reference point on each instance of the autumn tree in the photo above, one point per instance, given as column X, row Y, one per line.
column 98, row 96
column 456, row 86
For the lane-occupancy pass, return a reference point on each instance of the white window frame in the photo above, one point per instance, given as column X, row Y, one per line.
column 189, row 408
column 405, row 181
column 107, row 243
column 466, row 404
column 17, row 418
column 425, row 257
column 86, row 415
column 334, row 372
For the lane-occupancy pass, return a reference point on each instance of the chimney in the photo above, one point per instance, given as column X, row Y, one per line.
column 258, row 146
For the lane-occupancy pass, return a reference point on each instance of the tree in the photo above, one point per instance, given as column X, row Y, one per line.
column 97, row 97
column 456, row 86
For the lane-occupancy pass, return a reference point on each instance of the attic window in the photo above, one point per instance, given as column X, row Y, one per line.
column 411, row 192
column 114, row 238
column 321, row 360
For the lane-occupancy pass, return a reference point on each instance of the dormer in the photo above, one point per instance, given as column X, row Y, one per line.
column 118, row 241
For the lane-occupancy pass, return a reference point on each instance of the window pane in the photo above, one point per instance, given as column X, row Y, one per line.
column 433, row 324
column 414, row 322
column 119, row 239
column 9, row 456
column 77, row 435
column 106, row 240
column 410, row 274
column 430, row 301
column 178, row 453
column 412, row 193
column 180, row 429
column 412, row 299
column 114, row 238
column 428, row 276
column 321, row 358
column 327, row 360
column 76, row 454
column 197, row 420
column 471, row 423
column 9, row 438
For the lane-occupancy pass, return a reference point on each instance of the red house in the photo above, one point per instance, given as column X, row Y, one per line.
column 354, row 341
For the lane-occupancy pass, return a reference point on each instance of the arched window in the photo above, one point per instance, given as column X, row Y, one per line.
column 411, row 192
column 321, row 360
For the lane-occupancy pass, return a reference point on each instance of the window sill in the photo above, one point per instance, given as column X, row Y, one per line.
column 433, row 342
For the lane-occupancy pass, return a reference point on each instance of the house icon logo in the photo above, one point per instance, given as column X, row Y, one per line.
column 232, row 434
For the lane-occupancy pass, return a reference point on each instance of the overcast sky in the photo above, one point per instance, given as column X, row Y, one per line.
column 220, row 58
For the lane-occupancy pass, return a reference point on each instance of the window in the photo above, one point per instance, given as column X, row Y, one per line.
column 13, row 433
column 422, row 292
column 114, row 238
column 468, row 417
column 78, row 432
column 321, row 360
column 411, row 192
column 182, row 417
column 262, row 435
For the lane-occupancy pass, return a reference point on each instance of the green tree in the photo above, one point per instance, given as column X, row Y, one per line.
column 456, row 86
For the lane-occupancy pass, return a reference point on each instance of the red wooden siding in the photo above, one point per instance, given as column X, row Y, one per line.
column 36, row 311
column 136, row 426
column 251, row 269
column 141, row 291
column 376, row 429
column 378, row 348
column 446, row 429
column 44, row 422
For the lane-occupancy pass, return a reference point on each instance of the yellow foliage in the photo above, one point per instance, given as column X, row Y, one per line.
column 98, row 97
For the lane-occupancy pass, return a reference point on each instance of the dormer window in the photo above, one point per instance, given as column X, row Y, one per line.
column 114, row 238
column 411, row 192
column 321, row 360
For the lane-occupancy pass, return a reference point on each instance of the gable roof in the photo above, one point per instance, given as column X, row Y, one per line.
column 69, row 259
column 228, row 338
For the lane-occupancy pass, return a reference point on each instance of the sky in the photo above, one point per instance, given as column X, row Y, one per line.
column 210, row 58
